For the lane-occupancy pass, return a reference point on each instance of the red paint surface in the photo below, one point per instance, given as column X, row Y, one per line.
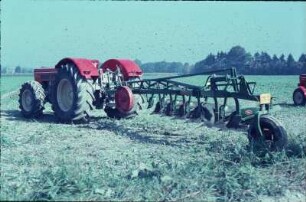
column 302, row 80
column 248, row 112
column 124, row 99
column 44, row 74
column 87, row 68
column 128, row 68
column 303, row 89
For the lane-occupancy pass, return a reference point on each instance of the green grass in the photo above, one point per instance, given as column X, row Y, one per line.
column 11, row 83
column 149, row 157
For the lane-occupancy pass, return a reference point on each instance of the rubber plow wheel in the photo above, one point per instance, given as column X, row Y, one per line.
column 72, row 96
column 274, row 135
column 31, row 99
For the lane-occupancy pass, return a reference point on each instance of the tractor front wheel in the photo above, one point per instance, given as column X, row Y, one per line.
column 298, row 97
column 274, row 135
column 72, row 96
column 31, row 99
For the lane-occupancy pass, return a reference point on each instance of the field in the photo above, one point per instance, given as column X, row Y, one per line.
column 149, row 157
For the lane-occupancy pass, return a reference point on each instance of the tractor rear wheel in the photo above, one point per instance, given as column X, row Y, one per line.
column 31, row 99
column 274, row 135
column 72, row 95
column 298, row 97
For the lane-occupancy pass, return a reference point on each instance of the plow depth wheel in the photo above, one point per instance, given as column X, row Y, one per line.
column 31, row 99
column 274, row 135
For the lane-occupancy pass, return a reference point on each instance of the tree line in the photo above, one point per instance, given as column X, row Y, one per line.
column 164, row 67
column 259, row 63
column 245, row 63
column 16, row 70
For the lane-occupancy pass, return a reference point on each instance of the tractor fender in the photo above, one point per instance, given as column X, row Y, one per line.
column 86, row 67
column 128, row 68
column 302, row 88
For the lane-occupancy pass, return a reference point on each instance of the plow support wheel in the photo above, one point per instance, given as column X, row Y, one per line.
column 267, row 132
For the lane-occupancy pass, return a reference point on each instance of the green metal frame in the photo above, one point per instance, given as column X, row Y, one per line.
column 226, row 85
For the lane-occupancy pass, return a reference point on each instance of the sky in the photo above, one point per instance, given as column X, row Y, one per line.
column 40, row 33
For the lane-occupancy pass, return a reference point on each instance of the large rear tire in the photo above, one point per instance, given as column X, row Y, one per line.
column 72, row 95
column 299, row 97
column 274, row 135
column 31, row 99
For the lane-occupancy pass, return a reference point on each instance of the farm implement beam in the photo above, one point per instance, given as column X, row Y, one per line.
column 216, row 86
column 175, row 98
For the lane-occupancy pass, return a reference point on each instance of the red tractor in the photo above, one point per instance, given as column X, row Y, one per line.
column 299, row 95
column 76, row 85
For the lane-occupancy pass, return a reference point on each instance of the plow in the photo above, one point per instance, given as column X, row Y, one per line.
column 76, row 86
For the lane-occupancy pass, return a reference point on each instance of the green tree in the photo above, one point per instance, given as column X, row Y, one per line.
column 17, row 69
column 291, row 65
column 187, row 68
column 302, row 64
column 210, row 59
column 3, row 70
column 282, row 64
column 237, row 57
column 302, row 58
column 274, row 65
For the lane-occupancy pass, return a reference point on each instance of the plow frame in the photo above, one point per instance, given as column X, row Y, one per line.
column 215, row 87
